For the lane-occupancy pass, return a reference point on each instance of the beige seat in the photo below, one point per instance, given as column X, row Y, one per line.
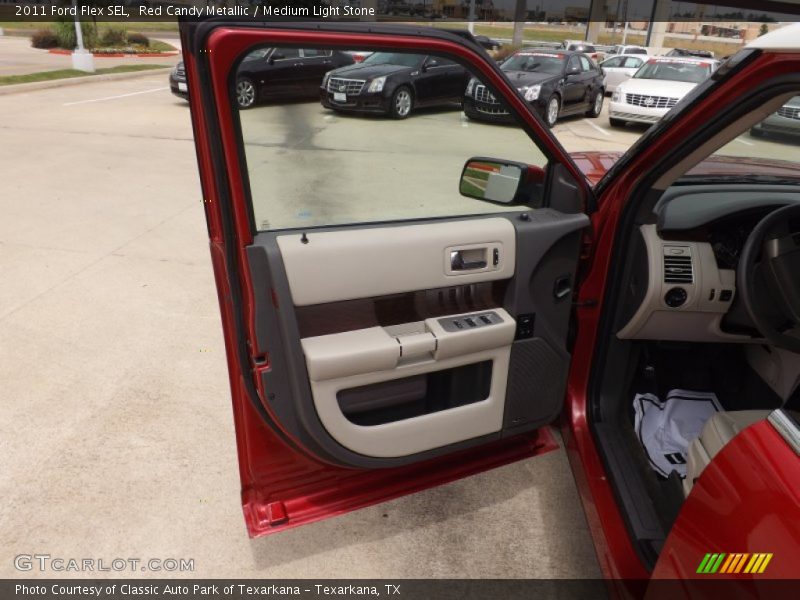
column 718, row 431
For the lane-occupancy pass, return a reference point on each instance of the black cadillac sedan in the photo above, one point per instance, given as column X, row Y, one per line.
column 556, row 83
column 394, row 84
column 273, row 74
column 284, row 73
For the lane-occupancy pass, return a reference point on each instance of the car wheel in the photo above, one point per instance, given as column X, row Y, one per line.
column 597, row 105
column 551, row 114
column 402, row 102
column 616, row 122
column 245, row 93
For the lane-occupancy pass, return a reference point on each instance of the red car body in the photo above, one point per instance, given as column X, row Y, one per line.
column 747, row 501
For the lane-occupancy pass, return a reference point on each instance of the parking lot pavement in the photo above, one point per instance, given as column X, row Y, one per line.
column 303, row 159
column 119, row 439
column 18, row 58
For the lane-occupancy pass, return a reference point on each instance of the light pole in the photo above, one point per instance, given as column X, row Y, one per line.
column 471, row 22
column 82, row 59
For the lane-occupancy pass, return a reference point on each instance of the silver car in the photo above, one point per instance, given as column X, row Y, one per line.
column 784, row 122
column 620, row 68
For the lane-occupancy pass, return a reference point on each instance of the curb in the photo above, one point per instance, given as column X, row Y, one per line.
column 17, row 88
column 120, row 54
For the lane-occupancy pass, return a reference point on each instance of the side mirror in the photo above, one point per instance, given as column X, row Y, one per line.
column 499, row 181
column 428, row 64
column 276, row 56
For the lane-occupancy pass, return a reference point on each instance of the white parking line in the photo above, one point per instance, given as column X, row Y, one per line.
column 115, row 97
column 744, row 142
column 597, row 127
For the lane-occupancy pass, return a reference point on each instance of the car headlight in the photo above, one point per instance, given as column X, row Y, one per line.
column 325, row 80
column 616, row 95
column 470, row 87
column 376, row 85
column 531, row 93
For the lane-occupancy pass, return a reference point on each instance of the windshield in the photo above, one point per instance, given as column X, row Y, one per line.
column 393, row 58
column 673, row 70
column 535, row 62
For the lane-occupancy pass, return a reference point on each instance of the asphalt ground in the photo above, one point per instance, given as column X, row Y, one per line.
column 117, row 436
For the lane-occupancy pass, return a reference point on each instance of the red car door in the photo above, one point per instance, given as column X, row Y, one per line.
column 741, row 517
column 373, row 359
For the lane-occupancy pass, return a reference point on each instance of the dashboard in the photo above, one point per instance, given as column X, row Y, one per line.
column 686, row 262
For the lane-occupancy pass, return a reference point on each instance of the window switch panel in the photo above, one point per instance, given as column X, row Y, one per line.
column 473, row 321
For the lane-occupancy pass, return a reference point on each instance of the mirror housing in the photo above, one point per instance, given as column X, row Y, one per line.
column 275, row 56
column 428, row 64
column 500, row 181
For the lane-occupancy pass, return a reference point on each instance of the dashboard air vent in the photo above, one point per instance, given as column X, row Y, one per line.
column 678, row 265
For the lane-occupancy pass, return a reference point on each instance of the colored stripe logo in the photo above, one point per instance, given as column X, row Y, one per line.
column 733, row 563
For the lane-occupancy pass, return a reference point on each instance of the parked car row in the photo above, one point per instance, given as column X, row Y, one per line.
column 556, row 83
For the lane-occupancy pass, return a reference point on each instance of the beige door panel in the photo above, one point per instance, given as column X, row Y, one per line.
column 357, row 358
column 416, row 434
column 331, row 266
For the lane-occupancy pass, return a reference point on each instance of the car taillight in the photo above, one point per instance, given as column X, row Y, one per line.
column 358, row 57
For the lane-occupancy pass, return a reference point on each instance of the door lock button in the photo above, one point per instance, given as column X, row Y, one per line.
column 525, row 326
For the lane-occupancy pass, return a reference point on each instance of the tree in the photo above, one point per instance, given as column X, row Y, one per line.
column 764, row 29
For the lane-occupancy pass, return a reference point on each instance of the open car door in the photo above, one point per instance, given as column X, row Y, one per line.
column 384, row 333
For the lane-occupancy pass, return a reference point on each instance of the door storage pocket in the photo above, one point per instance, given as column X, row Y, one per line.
column 408, row 397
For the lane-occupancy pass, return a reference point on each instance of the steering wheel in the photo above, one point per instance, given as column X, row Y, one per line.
column 768, row 277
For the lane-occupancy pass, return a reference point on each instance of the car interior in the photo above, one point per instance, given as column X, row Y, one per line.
column 705, row 304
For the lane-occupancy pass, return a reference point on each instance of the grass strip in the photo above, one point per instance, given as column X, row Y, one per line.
column 72, row 73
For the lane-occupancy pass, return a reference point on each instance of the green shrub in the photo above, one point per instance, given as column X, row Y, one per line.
column 138, row 39
column 114, row 37
column 44, row 38
column 65, row 34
